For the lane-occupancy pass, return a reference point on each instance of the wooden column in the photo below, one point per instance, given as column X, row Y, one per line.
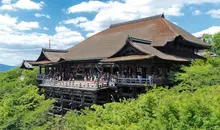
column 72, row 98
column 61, row 104
column 40, row 69
column 149, row 69
column 52, row 70
column 60, row 70
column 83, row 71
column 94, row 97
column 82, row 98
column 164, row 71
column 134, row 68
column 134, row 92
column 68, row 70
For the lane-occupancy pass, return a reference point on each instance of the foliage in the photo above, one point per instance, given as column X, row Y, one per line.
column 200, row 73
column 216, row 43
column 158, row 109
column 161, row 108
column 207, row 38
column 21, row 107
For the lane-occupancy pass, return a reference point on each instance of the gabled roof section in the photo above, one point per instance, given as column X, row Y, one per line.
column 51, row 55
column 104, row 44
column 27, row 64
column 186, row 35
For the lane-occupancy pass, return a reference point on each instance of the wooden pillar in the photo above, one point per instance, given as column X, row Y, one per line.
column 72, row 98
column 144, row 72
column 83, row 71
column 91, row 69
column 94, row 97
column 60, row 71
column 40, row 69
column 68, row 70
column 149, row 69
column 52, row 70
column 82, row 98
column 134, row 68
column 164, row 73
column 112, row 70
column 45, row 69
column 61, row 103
column 134, row 92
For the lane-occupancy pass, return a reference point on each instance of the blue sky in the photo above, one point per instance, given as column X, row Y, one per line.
column 27, row 25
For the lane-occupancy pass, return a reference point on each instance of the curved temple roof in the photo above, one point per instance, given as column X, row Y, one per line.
column 148, row 52
column 50, row 55
column 156, row 29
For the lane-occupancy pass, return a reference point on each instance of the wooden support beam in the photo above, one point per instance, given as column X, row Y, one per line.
column 72, row 98
column 94, row 98
column 149, row 69
column 60, row 71
column 40, row 69
column 134, row 92
column 62, row 104
column 82, row 99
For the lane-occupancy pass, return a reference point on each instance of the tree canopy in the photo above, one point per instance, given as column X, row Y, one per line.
column 216, row 43
column 194, row 103
column 21, row 107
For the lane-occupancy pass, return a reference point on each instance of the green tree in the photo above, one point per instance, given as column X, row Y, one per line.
column 199, row 73
column 161, row 108
column 21, row 107
column 216, row 43
column 207, row 38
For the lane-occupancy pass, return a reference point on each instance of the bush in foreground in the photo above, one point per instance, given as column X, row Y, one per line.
column 158, row 109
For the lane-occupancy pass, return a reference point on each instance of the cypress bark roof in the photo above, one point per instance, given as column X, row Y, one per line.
column 51, row 55
column 156, row 29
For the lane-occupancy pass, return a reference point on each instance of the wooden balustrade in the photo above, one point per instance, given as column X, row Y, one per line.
column 74, row 84
column 87, row 84
column 135, row 81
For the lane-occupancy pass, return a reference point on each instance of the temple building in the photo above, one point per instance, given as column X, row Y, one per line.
column 122, row 61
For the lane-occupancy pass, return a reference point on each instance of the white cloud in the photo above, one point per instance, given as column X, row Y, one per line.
column 110, row 12
column 12, row 36
column 90, row 6
column 214, row 13
column 10, row 23
column 63, row 39
column 29, row 5
column 27, row 25
column 7, row 7
column 75, row 20
column 6, row 1
column 15, row 56
column 212, row 30
column 21, row 4
column 196, row 12
column 45, row 28
column 42, row 15
column 7, row 20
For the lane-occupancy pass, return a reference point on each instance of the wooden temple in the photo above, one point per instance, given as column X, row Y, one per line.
column 122, row 61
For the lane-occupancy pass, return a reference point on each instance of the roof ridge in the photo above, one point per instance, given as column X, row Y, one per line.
column 137, row 20
column 53, row 50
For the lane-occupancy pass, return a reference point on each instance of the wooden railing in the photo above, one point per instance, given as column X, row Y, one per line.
column 46, row 80
column 41, row 76
column 135, row 81
column 74, row 84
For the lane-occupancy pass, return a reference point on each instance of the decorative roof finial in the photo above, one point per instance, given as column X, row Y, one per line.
column 162, row 15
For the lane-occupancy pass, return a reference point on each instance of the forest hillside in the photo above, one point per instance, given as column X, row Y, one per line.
column 194, row 103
